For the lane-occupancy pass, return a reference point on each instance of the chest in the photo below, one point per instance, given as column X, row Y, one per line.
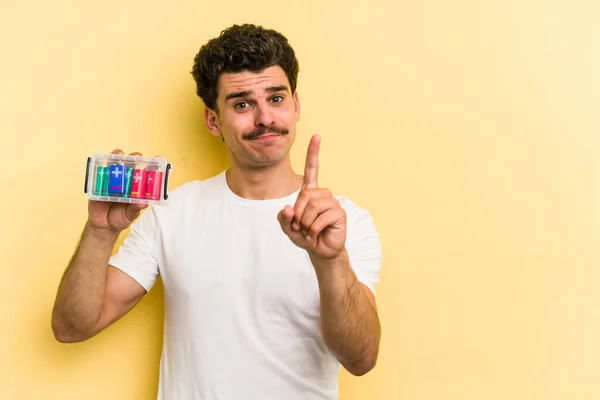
column 239, row 260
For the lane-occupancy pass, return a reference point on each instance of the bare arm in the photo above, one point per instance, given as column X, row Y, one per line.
column 317, row 223
column 92, row 295
column 349, row 317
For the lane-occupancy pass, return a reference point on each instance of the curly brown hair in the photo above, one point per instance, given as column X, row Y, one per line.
column 240, row 48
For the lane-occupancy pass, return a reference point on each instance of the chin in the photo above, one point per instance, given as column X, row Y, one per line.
column 267, row 160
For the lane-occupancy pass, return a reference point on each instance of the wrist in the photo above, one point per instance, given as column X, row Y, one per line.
column 341, row 257
column 333, row 265
column 100, row 233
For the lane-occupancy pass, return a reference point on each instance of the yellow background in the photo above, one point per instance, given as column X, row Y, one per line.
column 470, row 129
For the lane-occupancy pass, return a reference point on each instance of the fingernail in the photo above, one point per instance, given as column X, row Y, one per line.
column 296, row 226
column 308, row 238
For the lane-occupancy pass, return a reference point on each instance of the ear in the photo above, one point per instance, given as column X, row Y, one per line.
column 297, row 106
column 212, row 122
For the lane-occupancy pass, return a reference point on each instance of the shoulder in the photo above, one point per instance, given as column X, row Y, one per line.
column 186, row 204
column 193, row 190
column 191, row 194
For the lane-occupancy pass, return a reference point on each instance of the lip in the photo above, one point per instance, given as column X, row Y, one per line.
column 267, row 137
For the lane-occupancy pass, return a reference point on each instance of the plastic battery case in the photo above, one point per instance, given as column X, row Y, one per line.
column 127, row 179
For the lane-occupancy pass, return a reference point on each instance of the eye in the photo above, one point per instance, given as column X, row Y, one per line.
column 277, row 99
column 241, row 105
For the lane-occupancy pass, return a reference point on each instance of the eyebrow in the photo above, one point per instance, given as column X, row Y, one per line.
column 280, row 88
column 244, row 93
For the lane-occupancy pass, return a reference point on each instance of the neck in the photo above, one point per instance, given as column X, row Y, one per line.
column 271, row 182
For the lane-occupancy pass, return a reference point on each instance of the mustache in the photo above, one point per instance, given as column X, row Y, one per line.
column 264, row 130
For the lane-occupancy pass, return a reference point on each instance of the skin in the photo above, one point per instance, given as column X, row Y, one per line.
column 256, row 116
column 349, row 319
column 92, row 294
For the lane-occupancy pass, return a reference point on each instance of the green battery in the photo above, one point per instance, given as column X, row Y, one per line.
column 105, row 181
column 101, row 181
column 128, row 175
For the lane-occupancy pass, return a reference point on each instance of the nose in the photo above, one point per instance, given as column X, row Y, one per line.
column 264, row 116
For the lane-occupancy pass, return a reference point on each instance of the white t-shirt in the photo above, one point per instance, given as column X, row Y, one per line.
column 241, row 300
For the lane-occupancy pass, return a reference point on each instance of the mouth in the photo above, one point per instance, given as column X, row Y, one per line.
column 267, row 136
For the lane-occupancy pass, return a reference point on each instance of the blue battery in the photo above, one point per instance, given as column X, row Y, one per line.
column 116, row 180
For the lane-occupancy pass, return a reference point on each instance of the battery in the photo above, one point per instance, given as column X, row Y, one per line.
column 101, row 188
column 128, row 176
column 116, row 180
column 153, row 185
column 138, row 183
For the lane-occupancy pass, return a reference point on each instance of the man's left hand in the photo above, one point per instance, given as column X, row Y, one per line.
column 317, row 222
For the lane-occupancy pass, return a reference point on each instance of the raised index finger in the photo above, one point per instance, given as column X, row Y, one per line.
column 311, row 169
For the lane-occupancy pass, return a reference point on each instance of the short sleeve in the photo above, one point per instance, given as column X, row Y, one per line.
column 139, row 254
column 363, row 246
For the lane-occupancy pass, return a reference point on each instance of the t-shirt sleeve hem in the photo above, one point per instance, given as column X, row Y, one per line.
column 136, row 274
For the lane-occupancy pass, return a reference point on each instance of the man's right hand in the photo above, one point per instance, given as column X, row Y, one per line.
column 113, row 217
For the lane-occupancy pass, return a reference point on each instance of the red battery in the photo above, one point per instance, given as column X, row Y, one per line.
column 138, row 183
column 153, row 185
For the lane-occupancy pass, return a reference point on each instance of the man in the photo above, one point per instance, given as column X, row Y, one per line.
column 268, row 278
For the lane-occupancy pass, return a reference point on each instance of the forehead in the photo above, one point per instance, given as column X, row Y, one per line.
column 256, row 82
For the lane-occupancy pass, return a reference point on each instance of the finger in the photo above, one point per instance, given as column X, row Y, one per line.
column 313, row 209
column 311, row 168
column 132, row 164
column 303, row 198
column 132, row 211
column 329, row 219
column 285, row 219
column 117, row 151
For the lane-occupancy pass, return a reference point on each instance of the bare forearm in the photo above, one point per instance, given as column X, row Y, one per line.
column 80, row 296
column 349, row 320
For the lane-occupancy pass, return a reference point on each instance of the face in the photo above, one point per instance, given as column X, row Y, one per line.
column 257, row 117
